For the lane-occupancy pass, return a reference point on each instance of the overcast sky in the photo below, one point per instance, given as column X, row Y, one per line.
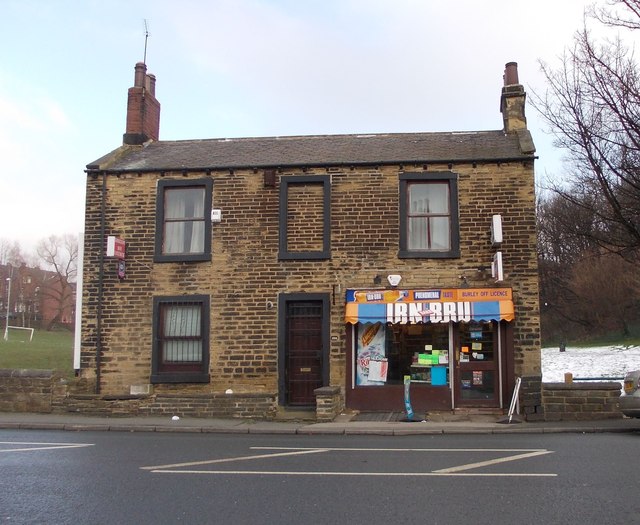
column 241, row 68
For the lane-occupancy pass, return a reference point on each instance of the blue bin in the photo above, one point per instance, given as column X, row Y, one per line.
column 439, row 375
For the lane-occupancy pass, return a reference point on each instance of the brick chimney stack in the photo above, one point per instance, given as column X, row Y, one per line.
column 143, row 110
column 512, row 101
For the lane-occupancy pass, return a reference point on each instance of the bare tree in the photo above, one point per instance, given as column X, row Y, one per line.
column 617, row 13
column 563, row 243
column 10, row 253
column 607, row 287
column 59, row 255
column 593, row 107
column 589, row 223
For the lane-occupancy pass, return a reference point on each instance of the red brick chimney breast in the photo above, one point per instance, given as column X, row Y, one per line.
column 143, row 109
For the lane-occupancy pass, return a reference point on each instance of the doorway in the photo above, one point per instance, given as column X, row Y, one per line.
column 477, row 365
column 303, row 347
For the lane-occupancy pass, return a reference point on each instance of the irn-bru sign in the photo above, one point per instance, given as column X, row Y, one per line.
column 429, row 305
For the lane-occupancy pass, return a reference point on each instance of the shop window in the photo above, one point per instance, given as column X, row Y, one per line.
column 477, row 385
column 183, row 231
column 305, row 217
column 420, row 351
column 429, row 215
column 180, row 340
column 477, row 342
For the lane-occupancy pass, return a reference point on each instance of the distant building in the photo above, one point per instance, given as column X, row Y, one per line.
column 271, row 267
column 38, row 299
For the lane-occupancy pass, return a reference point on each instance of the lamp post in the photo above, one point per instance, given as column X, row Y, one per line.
column 6, row 325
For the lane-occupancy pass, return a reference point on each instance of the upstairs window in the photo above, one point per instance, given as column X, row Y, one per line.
column 429, row 215
column 181, row 340
column 183, row 228
column 305, row 217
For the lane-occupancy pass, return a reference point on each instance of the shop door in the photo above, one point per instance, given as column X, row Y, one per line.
column 476, row 366
column 303, row 352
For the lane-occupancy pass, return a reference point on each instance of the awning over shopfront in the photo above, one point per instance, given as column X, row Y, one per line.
column 429, row 305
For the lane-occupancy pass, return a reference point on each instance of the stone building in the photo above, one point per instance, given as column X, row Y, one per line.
column 259, row 270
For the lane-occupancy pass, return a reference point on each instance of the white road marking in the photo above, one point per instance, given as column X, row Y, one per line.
column 43, row 446
column 240, row 458
column 470, row 466
column 295, row 451
column 379, row 474
column 349, row 449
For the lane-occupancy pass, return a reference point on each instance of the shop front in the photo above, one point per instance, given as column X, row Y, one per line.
column 455, row 346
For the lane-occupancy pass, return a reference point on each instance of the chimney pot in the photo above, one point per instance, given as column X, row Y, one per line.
column 511, row 74
column 141, row 71
column 152, row 84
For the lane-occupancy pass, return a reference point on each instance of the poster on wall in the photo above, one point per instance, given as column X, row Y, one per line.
column 378, row 370
column 370, row 347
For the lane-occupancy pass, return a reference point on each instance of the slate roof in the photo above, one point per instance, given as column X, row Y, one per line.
column 321, row 150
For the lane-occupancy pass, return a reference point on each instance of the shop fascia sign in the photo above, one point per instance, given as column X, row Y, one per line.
column 435, row 306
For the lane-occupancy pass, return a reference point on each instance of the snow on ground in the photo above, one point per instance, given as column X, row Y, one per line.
column 603, row 361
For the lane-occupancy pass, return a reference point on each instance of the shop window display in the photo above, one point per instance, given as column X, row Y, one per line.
column 386, row 353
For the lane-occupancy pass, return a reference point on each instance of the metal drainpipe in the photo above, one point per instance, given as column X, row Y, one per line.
column 100, row 281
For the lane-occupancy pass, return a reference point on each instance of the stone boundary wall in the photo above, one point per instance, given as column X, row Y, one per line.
column 581, row 401
column 531, row 404
column 328, row 403
column 26, row 390
column 44, row 391
column 250, row 406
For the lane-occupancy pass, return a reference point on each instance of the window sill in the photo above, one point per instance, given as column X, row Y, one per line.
column 303, row 256
column 182, row 258
column 405, row 254
column 180, row 377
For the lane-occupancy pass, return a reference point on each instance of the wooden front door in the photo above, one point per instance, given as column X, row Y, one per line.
column 303, row 351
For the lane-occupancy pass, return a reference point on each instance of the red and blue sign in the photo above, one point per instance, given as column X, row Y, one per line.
column 429, row 305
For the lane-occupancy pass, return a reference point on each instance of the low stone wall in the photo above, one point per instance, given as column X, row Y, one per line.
column 26, row 390
column 328, row 403
column 581, row 401
column 258, row 406
column 98, row 405
column 249, row 405
column 45, row 392
column 531, row 404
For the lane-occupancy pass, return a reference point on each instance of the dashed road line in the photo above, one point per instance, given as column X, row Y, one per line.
column 41, row 446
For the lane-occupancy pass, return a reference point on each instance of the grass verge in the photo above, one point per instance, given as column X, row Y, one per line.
column 46, row 351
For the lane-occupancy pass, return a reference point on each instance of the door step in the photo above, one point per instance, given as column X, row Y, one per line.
column 452, row 416
column 381, row 417
column 479, row 411
column 296, row 414
column 467, row 414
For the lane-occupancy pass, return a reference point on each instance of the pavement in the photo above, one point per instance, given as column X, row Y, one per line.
column 439, row 423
